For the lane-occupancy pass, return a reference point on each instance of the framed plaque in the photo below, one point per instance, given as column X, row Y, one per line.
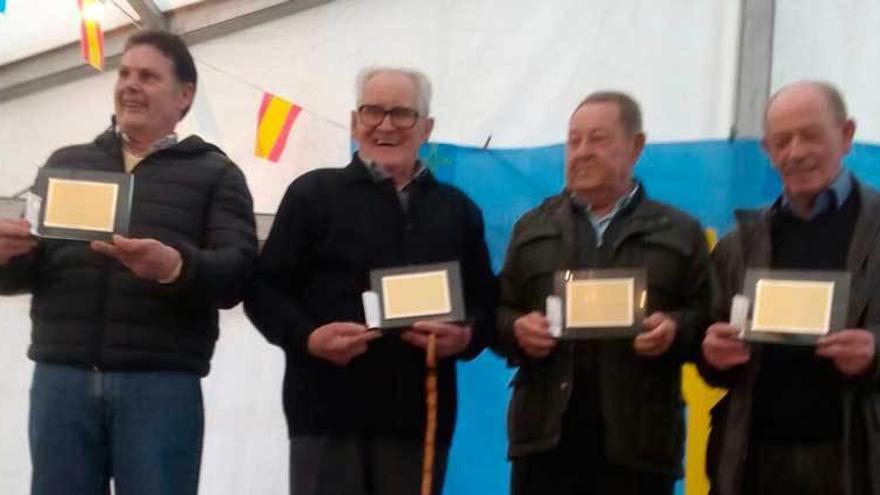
column 795, row 307
column 601, row 303
column 416, row 293
column 82, row 204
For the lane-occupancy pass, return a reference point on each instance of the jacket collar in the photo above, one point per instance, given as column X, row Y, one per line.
column 644, row 215
column 111, row 143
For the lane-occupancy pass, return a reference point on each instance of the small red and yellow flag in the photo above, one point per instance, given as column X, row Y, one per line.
column 91, row 35
column 273, row 126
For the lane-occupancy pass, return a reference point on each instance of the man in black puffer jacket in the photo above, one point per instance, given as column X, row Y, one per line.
column 123, row 331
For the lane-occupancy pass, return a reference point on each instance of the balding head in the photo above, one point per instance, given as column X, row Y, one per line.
column 825, row 91
column 806, row 135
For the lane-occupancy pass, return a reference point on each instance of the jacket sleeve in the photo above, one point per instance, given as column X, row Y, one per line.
column 510, row 305
column 216, row 272
column 727, row 274
column 693, row 317
column 18, row 276
column 480, row 285
column 274, row 302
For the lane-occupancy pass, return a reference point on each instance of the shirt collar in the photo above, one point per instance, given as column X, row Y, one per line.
column 831, row 198
column 166, row 141
column 379, row 174
column 621, row 203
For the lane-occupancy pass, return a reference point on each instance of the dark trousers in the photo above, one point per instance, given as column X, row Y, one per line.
column 350, row 465
column 143, row 430
column 580, row 470
column 797, row 469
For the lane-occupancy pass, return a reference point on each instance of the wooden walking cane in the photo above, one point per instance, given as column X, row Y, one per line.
column 431, row 411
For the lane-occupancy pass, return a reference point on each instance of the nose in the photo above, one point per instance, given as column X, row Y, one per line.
column 127, row 82
column 797, row 148
column 582, row 149
column 385, row 124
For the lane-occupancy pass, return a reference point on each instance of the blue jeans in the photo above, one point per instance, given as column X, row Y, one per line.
column 143, row 430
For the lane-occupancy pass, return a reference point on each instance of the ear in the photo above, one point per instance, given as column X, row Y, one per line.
column 187, row 95
column 353, row 122
column 639, row 144
column 849, row 133
column 426, row 131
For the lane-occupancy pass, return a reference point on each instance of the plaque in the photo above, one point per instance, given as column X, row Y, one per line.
column 82, row 205
column 416, row 293
column 600, row 303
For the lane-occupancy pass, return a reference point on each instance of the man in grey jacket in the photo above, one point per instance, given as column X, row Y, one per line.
column 801, row 419
column 601, row 417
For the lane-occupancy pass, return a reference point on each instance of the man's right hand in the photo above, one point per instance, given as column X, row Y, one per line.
column 15, row 239
column 532, row 333
column 722, row 347
column 339, row 342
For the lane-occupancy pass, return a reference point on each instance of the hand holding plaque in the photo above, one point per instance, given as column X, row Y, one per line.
column 659, row 332
column 533, row 334
column 451, row 338
column 851, row 350
column 146, row 258
column 15, row 239
column 340, row 342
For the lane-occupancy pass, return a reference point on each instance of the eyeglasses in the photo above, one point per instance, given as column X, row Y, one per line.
column 401, row 117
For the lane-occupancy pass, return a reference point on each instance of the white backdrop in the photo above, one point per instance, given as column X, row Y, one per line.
column 836, row 41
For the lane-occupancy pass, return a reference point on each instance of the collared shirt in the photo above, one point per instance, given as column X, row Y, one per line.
column 380, row 174
column 601, row 223
column 829, row 199
column 132, row 160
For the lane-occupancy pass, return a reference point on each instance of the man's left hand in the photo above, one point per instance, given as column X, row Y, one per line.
column 659, row 332
column 146, row 258
column 452, row 339
column 851, row 350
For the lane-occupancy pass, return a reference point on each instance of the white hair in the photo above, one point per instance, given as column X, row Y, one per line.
column 422, row 83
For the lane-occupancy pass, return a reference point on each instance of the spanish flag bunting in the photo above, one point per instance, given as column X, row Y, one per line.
column 91, row 36
column 273, row 126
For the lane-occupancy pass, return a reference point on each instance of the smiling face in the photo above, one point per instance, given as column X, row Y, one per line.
column 600, row 154
column 149, row 100
column 806, row 141
column 395, row 149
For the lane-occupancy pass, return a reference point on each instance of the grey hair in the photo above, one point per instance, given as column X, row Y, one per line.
column 630, row 112
column 421, row 81
column 832, row 95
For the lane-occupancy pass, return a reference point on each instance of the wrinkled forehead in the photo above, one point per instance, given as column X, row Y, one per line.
column 798, row 106
column 599, row 115
column 390, row 88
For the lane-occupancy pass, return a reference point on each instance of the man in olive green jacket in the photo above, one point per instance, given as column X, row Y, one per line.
column 601, row 416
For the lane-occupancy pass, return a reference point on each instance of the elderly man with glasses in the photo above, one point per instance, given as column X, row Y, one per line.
column 355, row 399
